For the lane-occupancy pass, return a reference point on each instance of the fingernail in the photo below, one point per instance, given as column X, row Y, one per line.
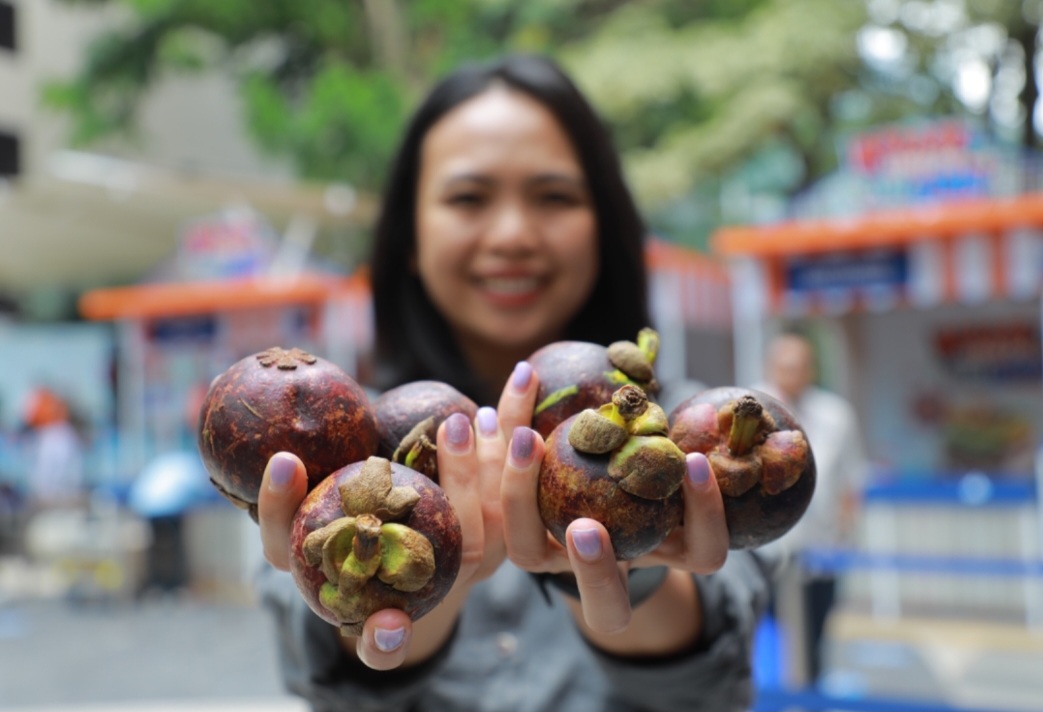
column 280, row 472
column 522, row 442
column 457, row 431
column 698, row 469
column 588, row 543
column 487, row 421
column 388, row 640
column 522, row 376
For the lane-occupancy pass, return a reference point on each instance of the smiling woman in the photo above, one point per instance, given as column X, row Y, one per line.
column 506, row 223
column 506, row 227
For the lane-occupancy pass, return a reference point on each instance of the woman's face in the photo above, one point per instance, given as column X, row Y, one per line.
column 506, row 231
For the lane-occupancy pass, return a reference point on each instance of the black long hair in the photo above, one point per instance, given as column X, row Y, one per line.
column 413, row 340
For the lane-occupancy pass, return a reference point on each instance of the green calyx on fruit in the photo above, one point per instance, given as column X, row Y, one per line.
column 367, row 542
column 755, row 451
column 418, row 450
column 633, row 431
column 634, row 361
column 632, row 364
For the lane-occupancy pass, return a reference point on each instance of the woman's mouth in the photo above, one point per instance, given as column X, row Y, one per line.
column 511, row 291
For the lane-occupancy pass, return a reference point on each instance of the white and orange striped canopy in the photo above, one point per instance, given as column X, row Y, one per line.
column 969, row 252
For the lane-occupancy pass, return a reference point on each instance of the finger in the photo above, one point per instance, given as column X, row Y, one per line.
column 705, row 530
column 602, row 590
column 491, row 450
column 518, row 398
column 528, row 544
column 458, row 476
column 283, row 486
column 385, row 638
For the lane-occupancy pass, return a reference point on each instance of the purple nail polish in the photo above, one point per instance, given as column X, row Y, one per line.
column 522, row 375
column 388, row 640
column 588, row 543
column 280, row 472
column 487, row 421
column 698, row 469
column 522, row 443
column 457, row 430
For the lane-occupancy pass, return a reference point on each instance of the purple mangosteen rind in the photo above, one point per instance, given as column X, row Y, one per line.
column 573, row 484
column 756, row 517
column 576, row 375
column 432, row 516
column 400, row 410
column 281, row 400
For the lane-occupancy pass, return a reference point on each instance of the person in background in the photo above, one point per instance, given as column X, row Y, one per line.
column 55, row 452
column 507, row 225
column 833, row 431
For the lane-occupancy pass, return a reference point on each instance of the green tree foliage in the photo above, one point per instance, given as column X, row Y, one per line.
column 701, row 94
column 328, row 82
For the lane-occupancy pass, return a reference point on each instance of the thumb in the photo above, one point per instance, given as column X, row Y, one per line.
column 283, row 487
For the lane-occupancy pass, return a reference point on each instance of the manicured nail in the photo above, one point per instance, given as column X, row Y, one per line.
column 698, row 469
column 588, row 543
column 487, row 421
column 522, row 376
column 523, row 442
column 457, row 431
column 388, row 640
column 280, row 472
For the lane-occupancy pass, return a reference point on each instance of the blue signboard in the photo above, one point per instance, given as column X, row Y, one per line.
column 848, row 271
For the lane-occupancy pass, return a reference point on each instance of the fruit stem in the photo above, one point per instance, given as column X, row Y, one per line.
column 630, row 402
column 366, row 543
column 746, row 422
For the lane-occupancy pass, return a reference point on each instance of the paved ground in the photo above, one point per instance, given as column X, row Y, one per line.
column 194, row 653
column 156, row 655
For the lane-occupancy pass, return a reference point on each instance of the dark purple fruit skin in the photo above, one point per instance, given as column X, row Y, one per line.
column 756, row 517
column 571, row 363
column 433, row 516
column 398, row 410
column 573, row 484
column 250, row 412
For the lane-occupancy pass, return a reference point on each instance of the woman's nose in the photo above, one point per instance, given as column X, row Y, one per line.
column 512, row 226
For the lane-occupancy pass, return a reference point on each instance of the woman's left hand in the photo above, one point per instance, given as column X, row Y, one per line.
column 700, row 546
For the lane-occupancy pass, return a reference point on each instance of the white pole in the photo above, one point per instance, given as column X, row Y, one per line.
column 749, row 310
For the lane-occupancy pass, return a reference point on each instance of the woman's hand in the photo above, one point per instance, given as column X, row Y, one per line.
column 701, row 546
column 470, row 463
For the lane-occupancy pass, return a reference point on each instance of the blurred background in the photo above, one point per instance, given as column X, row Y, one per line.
column 185, row 182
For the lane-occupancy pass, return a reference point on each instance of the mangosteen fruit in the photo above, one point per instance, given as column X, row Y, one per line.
column 408, row 417
column 576, row 375
column 374, row 535
column 614, row 464
column 281, row 400
column 760, row 456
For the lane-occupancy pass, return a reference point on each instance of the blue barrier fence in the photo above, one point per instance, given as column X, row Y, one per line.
column 809, row 700
column 841, row 561
column 971, row 490
column 968, row 491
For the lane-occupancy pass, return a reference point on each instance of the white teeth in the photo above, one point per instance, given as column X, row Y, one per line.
column 511, row 285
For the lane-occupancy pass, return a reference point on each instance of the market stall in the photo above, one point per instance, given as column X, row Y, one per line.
column 929, row 321
column 227, row 292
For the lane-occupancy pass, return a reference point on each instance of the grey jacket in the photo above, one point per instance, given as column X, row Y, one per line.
column 514, row 652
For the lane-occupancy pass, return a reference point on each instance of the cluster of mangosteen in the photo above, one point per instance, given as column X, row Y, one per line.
column 376, row 530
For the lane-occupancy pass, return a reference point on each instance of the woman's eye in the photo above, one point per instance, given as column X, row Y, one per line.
column 559, row 199
column 465, row 199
